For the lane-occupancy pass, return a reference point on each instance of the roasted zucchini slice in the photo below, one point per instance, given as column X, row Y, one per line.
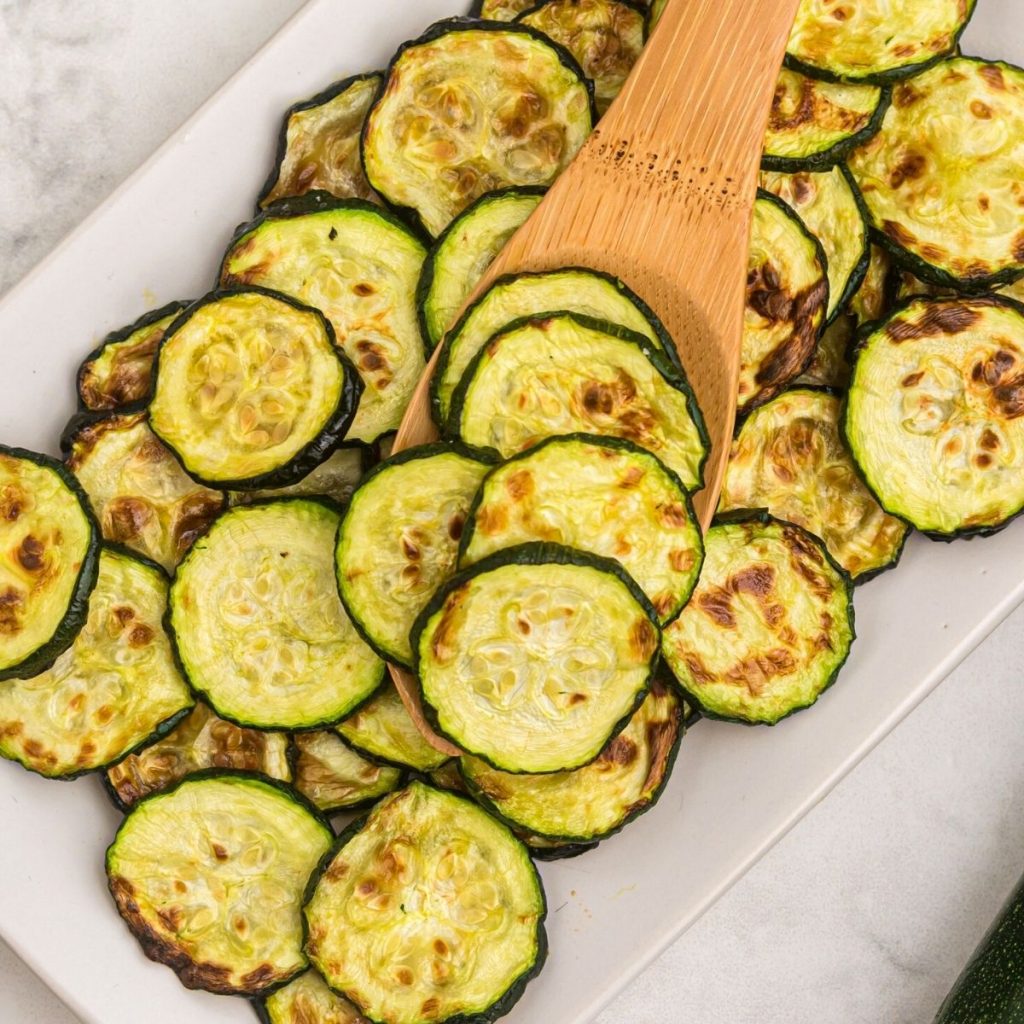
column 656, row 10
column 598, row 494
column 201, row 741
column 333, row 776
column 428, row 910
column 769, row 626
column 357, row 264
column 831, row 208
column 335, row 478
column 138, row 490
column 399, row 540
column 318, row 148
column 830, row 365
column 906, row 286
column 874, row 40
column 871, row 299
column 500, row 10
column 935, row 414
column 209, row 877
column 250, row 390
column 535, row 657
column 49, row 541
column 116, row 375
column 572, row 289
column 593, row 802
column 568, row 374
column 814, row 124
column 790, row 459
column 787, row 301
column 112, row 691
column 383, row 731
column 605, row 36
column 307, row 1000
column 941, row 180
column 470, row 107
column 465, row 250
column 258, row 625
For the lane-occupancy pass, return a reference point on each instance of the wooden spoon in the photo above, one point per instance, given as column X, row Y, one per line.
column 661, row 196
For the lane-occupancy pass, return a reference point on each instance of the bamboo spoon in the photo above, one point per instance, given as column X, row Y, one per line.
column 661, row 196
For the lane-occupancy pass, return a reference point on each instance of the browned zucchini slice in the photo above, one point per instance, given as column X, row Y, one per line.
column 333, row 776
column 335, row 478
column 830, row 365
column 871, row 299
column 500, row 10
column 307, row 1000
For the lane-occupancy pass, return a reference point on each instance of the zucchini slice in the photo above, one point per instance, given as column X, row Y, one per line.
column 605, row 36
column 942, row 178
column 830, row 365
column 570, row 374
column 594, row 802
column 209, row 878
column 831, row 208
column 787, row 301
column 258, row 625
column 357, row 264
column 249, row 390
column 603, row 495
column 318, row 148
column 116, row 375
column 789, row 458
column 500, row 10
column 655, row 11
column 769, row 626
column 572, row 290
column 201, row 741
column 400, row 538
column 49, row 541
column 335, row 478
column 536, row 657
column 470, row 107
column 874, row 40
column 307, row 1000
column 935, row 414
column 333, row 776
column 139, row 492
column 427, row 910
column 112, row 691
column 814, row 124
column 383, row 731
column 871, row 300
column 465, row 250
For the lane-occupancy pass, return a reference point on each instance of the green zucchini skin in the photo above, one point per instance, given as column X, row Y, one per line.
column 990, row 989
column 316, row 450
column 77, row 610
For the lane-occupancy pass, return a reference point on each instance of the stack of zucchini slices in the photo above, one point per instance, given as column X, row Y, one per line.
column 199, row 603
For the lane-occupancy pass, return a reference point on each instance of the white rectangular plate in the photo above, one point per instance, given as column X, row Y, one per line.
column 735, row 791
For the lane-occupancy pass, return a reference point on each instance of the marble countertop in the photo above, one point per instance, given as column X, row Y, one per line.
column 867, row 910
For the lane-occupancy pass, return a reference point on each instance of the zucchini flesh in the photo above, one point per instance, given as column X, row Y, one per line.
column 335, row 478
column 201, row 741
column 873, row 40
column 357, row 264
column 138, row 490
column 429, row 910
column 935, row 414
column 787, row 301
column 871, row 299
column 769, row 626
column 308, row 1000
column 572, row 290
column 117, row 374
column 941, row 179
column 250, row 391
column 469, row 108
column 501, row 10
column 830, row 365
column 831, row 208
column 657, row 9
column 592, row 802
column 319, row 144
column 383, row 731
column 790, row 459
column 209, row 877
column 115, row 687
column 465, row 250
column 49, row 551
column 569, row 374
column 258, row 625
column 603, row 495
column 534, row 658
column 333, row 776
column 814, row 124
column 400, row 538
column 605, row 36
